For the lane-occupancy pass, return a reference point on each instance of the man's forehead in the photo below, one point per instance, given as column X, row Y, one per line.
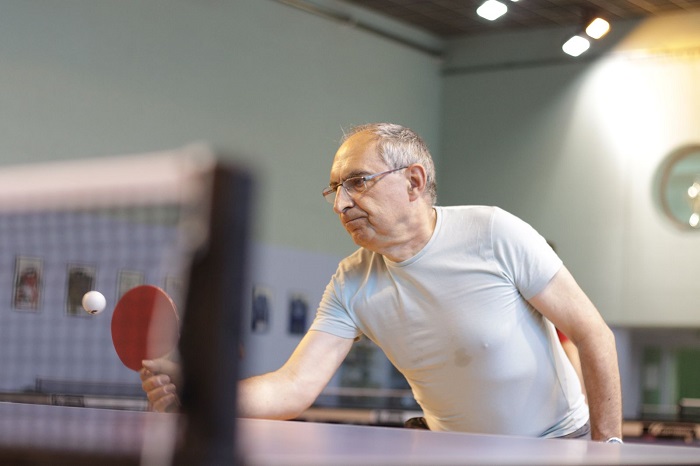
column 358, row 153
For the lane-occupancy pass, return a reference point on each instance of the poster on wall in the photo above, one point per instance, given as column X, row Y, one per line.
column 260, row 317
column 298, row 310
column 28, row 279
column 174, row 288
column 81, row 279
column 127, row 280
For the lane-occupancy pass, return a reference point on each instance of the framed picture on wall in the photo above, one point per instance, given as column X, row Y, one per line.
column 127, row 280
column 29, row 272
column 174, row 288
column 260, row 316
column 297, row 313
column 81, row 279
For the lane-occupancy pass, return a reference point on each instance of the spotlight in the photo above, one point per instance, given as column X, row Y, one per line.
column 491, row 9
column 597, row 28
column 576, row 46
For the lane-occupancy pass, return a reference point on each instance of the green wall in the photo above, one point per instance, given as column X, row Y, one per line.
column 573, row 146
column 275, row 85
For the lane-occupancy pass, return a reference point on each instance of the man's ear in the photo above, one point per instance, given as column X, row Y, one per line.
column 417, row 179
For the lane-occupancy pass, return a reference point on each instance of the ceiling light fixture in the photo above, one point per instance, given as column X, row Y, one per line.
column 491, row 10
column 597, row 28
column 576, row 46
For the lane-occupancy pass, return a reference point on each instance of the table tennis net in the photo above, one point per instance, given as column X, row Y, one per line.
column 106, row 224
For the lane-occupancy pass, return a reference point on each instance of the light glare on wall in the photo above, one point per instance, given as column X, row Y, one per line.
column 576, row 46
column 491, row 9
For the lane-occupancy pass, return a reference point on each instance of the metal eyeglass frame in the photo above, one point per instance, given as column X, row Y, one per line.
column 353, row 185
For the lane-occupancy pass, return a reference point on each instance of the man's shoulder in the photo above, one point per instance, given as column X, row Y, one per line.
column 468, row 209
column 358, row 259
column 469, row 212
column 353, row 269
column 475, row 211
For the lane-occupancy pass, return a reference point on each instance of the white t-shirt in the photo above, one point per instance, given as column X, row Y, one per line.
column 455, row 322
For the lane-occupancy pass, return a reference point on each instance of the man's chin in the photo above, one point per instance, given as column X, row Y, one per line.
column 356, row 232
column 358, row 236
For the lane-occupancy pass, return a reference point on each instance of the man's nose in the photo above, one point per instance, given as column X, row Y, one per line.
column 343, row 200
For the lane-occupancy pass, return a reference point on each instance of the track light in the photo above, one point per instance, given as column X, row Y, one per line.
column 597, row 28
column 492, row 9
column 576, row 46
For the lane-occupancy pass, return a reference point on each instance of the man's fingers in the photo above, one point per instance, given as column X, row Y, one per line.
column 145, row 374
column 154, row 382
column 157, row 393
column 160, row 366
column 157, row 377
column 164, row 399
column 168, row 404
column 151, row 365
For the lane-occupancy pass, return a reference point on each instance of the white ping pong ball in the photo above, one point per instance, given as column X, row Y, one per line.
column 94, row 302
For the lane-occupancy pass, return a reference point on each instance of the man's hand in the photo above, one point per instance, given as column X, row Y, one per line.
column 159, row 379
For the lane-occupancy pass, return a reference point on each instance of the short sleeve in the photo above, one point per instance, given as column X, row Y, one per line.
column 524, row 256
column 332, row 315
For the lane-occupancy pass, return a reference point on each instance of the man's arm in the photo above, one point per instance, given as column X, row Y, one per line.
column 288, row 391
column 569, row 309
column 282, row 394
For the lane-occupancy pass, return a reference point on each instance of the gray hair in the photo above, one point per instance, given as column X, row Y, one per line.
column 399, row 146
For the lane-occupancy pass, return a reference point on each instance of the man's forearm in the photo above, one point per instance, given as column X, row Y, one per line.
column 267, row 397
column 602, row 377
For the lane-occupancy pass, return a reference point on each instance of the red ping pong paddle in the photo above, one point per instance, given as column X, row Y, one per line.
column 144, row 325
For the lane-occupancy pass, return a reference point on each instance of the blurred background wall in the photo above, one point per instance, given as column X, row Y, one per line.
column 573, row 147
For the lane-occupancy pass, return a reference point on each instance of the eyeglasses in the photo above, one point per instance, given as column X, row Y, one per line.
column 354, row 185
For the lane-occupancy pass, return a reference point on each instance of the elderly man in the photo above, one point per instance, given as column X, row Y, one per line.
column 463, row 300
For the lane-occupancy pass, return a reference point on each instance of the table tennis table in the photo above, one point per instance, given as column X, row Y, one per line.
column 45, row 434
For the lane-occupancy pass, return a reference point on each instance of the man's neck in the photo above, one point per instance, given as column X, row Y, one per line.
column 418, row 234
